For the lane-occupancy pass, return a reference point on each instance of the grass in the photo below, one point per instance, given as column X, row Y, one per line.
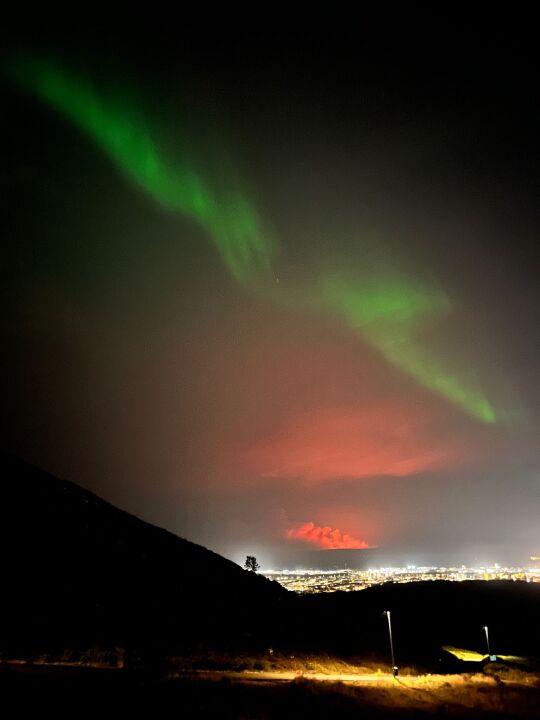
column 503, row 693
column 463, row 696
column 500, row 692
column 275, row 662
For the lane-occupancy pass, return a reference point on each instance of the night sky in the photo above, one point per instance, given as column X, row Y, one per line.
column 279, row 292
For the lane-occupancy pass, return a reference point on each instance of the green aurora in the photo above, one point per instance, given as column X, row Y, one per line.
column 388, row 314
column 120, row 129
column 390, row 317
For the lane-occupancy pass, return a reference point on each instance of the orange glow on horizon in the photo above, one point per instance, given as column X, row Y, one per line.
column 325, row 537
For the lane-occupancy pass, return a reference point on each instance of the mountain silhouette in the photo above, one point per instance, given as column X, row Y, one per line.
column 78, row 571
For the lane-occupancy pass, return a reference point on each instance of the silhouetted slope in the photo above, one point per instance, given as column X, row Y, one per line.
column 78, row 571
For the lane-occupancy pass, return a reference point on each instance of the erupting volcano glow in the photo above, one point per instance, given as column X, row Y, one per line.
column 375, row 439
column 325, row 537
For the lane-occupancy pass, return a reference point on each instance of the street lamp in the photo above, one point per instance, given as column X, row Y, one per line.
column 394, row 668
column 485, row 629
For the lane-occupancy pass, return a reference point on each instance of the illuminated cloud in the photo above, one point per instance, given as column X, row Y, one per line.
column 325, row 537
column 372, row 440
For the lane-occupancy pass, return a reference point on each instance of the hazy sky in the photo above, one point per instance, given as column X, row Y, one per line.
column 278, row 293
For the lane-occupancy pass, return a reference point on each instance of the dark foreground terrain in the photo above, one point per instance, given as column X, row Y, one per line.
column 97, row 605
column 91, row 690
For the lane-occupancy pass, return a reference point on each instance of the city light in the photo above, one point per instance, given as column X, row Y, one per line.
column 314, row 581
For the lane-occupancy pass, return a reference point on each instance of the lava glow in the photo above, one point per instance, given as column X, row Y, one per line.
column 325, row 537
column 381, row 439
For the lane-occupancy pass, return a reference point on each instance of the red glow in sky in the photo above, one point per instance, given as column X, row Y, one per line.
column 325, row 537
column 390, row 439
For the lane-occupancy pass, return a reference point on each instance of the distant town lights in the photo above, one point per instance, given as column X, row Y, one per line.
column 345, row 579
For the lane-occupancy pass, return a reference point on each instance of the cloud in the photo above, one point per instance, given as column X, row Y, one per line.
column 375, row 439
column 325, row 537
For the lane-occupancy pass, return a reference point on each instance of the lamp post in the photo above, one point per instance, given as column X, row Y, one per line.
column 485, row 629
column 394, row 668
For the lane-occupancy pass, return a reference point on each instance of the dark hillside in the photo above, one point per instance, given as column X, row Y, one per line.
column 77, row 572
column 425, row 616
